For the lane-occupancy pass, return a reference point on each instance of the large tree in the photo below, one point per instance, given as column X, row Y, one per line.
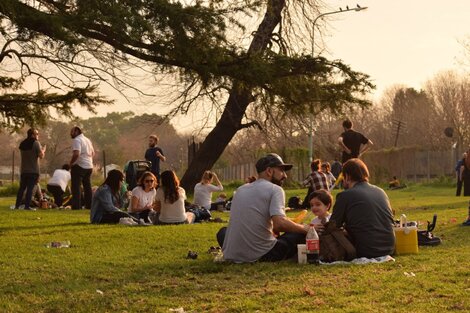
column 204, row 43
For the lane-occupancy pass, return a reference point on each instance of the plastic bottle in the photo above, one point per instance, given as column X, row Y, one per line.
column 58, row 244
column 313, row 246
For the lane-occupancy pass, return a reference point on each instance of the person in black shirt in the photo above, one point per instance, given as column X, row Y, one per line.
column 352, row 142
column 154, row 154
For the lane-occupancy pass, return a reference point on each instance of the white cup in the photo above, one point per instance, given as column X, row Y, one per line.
column 302, row 254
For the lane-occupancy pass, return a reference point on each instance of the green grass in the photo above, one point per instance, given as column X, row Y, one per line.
column 144, row 269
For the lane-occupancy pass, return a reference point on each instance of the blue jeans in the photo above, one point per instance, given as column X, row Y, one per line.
column 27, row 182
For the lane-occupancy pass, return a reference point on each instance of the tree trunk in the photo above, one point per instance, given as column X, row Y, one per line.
column 240, row 97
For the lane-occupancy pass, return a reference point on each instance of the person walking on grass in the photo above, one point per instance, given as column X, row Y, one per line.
column 31, row 151
column 258, row 216
column 81, row 165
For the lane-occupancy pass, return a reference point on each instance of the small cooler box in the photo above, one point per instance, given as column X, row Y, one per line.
column 406, row 237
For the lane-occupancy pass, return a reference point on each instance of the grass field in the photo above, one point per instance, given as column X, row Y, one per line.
column 114, row 268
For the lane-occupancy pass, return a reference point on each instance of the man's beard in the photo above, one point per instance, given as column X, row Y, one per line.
column 152, row 145
column 276, row 181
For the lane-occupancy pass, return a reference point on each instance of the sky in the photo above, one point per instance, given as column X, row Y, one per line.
column 395, row 42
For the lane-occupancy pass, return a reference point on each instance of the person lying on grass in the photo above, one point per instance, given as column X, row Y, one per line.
column 106, row 201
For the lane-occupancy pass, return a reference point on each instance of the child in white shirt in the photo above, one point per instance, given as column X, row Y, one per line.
column 320, row 204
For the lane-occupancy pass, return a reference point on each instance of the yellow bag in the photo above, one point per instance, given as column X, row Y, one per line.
column 406, row 237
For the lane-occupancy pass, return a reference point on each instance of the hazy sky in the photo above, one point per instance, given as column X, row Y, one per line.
column 395, row 42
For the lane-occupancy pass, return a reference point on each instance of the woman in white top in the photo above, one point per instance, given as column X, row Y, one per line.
column 204, row 189
column 170, row 201
column 143, row 197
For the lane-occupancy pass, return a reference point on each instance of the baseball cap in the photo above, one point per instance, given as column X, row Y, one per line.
column 271, row 160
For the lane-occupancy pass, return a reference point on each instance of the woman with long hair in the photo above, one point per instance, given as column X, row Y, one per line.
column 170, row 201
column 105, row 203
column 143, row 197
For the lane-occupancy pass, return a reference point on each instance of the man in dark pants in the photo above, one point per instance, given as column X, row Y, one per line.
column 31, row 152
column 257, row 212
column 352, row 142
column 81, row 165
column 458, row 171
column 154, row 154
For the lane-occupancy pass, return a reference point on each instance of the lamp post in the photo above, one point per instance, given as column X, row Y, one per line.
column 357, row 9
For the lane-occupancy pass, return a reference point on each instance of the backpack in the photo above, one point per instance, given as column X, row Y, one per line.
column 334, row 245
column 426, row 238
column 294, row 203
column 134, row 170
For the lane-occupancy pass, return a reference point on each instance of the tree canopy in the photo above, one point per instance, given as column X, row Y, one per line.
column 204, row 43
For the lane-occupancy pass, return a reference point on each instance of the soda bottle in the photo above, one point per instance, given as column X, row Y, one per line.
column 313, row 246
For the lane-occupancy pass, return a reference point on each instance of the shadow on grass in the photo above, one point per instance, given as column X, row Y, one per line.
column 16, row 228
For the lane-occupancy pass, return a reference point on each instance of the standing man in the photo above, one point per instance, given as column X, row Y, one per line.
column 81, row 166
column 31, row 152
column 154, row 154
column 364, row 211
column 257, row 214
column 458, row 169
column 352, row 142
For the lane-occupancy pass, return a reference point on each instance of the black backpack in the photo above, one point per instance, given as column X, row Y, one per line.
column 426, row 238
column 294, row 203
column 134, row 170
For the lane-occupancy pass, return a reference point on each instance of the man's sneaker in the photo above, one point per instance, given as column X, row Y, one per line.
column 30, row 209
column 466, row 223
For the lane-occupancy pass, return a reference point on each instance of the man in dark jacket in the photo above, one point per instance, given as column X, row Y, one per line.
column 364, row 211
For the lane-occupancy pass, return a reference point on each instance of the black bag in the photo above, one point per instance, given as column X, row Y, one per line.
column 426, row 238
column 334, row 245
column 201, row 214
column 294, row 203
column 134, row 170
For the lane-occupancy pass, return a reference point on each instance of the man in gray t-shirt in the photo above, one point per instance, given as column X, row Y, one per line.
column 257, row 213
column 31, row 152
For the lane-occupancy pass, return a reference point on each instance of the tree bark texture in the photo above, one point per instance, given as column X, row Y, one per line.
column 240, row 97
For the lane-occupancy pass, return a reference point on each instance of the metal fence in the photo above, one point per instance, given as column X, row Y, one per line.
column 411, row 164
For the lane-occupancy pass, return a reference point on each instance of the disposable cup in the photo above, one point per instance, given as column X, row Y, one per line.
column 302, row 254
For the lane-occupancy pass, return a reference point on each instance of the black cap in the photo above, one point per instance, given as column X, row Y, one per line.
column 271, row 160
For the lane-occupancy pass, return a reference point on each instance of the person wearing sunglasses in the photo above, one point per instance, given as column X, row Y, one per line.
column 143, row 197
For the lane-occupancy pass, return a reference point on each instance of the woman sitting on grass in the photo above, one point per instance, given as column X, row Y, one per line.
column 170, row 201
column 106, row 201
column 204, row 189
column 143, row 197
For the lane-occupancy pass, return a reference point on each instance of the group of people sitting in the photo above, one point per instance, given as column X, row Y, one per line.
column 151, row 202
column 259, row 230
